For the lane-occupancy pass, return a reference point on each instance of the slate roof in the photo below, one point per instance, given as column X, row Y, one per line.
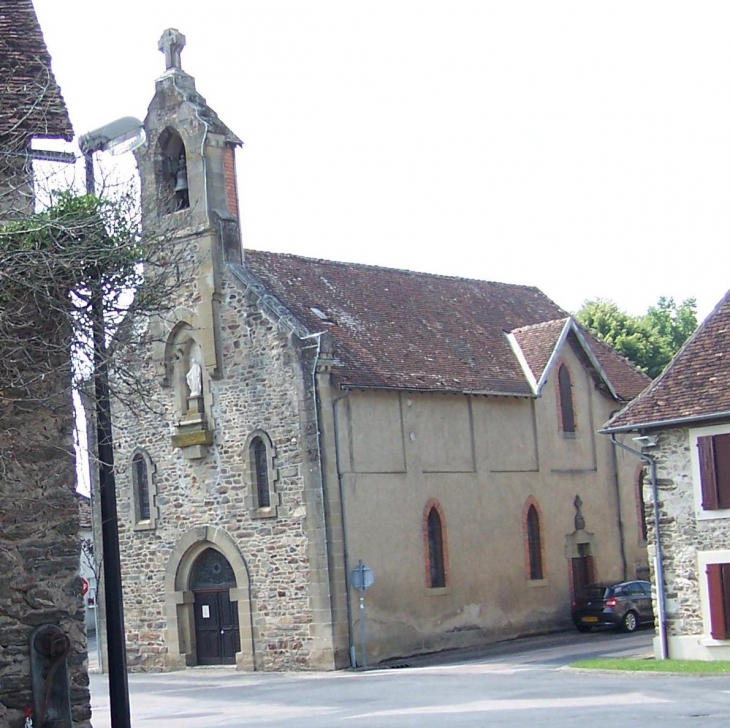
column 695, row 385
column 30, row 99
column 396, row 329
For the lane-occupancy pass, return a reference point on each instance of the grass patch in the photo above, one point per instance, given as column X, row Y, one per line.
column 687, row 667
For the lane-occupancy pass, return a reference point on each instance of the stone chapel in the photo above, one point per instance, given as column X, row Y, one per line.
column 313, row 415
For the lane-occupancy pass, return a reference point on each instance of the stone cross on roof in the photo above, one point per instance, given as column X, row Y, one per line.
column 171, row 44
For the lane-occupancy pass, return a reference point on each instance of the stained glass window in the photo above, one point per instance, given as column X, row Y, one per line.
column 212, row 571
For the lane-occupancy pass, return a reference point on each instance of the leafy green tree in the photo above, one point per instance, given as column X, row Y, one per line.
column 650, row 340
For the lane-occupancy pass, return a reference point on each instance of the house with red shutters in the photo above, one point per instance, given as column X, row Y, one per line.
column 683, row 422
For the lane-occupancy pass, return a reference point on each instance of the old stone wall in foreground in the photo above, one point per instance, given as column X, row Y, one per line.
column 39, row 546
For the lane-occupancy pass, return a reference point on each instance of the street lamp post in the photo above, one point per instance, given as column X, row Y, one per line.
column 128, row 132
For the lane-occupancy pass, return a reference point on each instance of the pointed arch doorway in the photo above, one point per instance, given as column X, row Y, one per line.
column 217, row 633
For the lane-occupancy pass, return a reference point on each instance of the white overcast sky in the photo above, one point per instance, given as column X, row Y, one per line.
column 582, row 147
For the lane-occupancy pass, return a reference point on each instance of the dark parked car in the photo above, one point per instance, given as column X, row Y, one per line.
column 625, row 606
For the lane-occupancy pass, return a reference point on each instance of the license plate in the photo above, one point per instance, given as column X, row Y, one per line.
column 589, row 619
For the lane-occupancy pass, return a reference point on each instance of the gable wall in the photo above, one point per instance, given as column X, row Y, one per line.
column 286, row 584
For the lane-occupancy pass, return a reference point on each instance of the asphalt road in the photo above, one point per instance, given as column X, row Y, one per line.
column 520, row 683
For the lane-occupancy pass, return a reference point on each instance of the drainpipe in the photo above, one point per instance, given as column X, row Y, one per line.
column 658, row 566
column 350, row 639
column 621, row 533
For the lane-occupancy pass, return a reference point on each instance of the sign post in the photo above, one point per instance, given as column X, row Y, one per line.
column 362, row 578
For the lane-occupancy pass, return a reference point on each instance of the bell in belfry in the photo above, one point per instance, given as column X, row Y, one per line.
column 181, row 183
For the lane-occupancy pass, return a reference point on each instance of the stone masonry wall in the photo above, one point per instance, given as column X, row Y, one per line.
column 39, row 549
column 262, row 389
column 682, row 536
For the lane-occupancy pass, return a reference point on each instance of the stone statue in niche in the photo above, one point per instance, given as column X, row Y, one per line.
column 194, row 378
column 580, row 522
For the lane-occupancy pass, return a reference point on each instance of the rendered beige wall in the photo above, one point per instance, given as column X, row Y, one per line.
column 481, row 458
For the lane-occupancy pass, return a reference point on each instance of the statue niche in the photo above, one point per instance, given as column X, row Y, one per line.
column 171, row 172
column 187, row 376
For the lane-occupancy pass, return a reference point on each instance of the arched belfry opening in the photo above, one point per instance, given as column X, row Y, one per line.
column 171, row 171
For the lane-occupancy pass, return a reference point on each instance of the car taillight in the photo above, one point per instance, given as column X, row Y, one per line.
column 611, row 602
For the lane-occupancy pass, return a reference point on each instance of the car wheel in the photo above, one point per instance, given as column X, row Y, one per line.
column 583, row 628
column 630, row 622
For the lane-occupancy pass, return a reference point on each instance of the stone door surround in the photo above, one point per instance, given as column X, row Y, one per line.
column 179, row 599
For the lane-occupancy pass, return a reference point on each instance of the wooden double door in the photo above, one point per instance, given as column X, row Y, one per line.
column 217, row 636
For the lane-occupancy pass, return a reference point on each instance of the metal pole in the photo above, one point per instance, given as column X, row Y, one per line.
column 659, row 562
column 116, row 645
column 363, row 634
column 362, row 629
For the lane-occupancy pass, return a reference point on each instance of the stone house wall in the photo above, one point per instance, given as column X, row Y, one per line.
column 688, row 544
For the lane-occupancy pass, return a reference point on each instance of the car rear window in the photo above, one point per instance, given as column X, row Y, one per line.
column 596, row 591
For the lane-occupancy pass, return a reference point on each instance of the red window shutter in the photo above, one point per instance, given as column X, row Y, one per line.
column 721, row 445
column 708, row 477
column 718, row 626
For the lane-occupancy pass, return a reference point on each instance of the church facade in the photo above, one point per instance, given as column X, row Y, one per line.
column 310, row 416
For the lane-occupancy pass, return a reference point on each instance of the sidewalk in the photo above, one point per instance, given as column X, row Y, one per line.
column 93, row 650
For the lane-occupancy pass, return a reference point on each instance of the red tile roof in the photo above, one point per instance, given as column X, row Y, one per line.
column 695, row 385
column 31, row 102
column 538, row 343
column 396, row 329
column 628, row 381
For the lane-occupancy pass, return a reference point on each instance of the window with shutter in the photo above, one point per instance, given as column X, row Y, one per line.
column 718, row 586
column 722, row 469
column 714, row 458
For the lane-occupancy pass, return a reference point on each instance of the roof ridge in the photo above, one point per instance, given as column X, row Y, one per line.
column 529, row 327
column 405, row 271
column 609, row 348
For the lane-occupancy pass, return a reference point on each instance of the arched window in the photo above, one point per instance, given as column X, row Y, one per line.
column 262, row 499
column 435, row 549
column 534, row 543
column 139, row 476
column 143, row 491
column 212, row 571
column 259, row 459
column 565, row 386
